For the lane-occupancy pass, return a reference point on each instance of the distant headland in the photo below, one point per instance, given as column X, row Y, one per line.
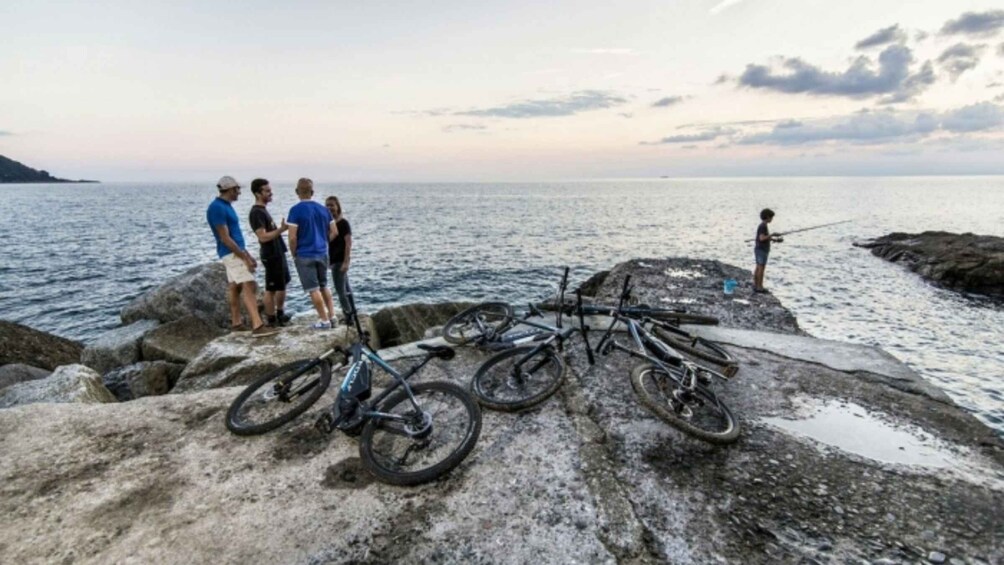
column 11, row 171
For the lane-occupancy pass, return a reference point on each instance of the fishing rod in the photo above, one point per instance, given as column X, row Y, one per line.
column 784, row 233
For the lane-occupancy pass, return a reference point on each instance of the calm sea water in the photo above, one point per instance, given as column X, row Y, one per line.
column 75, row 254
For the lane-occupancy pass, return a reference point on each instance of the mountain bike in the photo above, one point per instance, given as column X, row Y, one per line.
column 675, row 390
column 409, row 434
column 529, row 367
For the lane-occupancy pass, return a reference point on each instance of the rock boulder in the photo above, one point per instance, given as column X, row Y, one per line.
column 179, row 341
column 118, row 347
column 404, row 324
column 146, row 378
column 21, row 344
column 19, row 373
column 968, row 262
column 69, row 383
column 238, row 358
column 199, row 291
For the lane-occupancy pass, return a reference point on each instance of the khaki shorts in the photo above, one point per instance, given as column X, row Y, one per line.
column 237, row 271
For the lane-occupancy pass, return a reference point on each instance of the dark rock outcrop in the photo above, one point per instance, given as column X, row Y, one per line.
column 967, row 262
column 404, row 324
column 69, row 383
column 146, row 378
column 12, row 171
column 19, row 372
column 21, row 344
column 199, row 291
column 179, row 341
column 118, row 347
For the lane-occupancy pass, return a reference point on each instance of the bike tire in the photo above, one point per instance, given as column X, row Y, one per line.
column 458, row 329
column 672, row 316
column 306, row 374
column 450, row 443
column 698, row 347
column 655, row 390
column 493, row 384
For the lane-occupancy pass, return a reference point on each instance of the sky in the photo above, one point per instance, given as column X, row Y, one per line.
column 457, row 91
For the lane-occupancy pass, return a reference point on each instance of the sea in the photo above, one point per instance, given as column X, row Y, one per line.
column 75, row 254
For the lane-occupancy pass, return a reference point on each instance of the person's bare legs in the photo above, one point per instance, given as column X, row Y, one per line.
column 249, row 295
column 318, row 301
column 269, row 302
column 758, row 277
column 234, row 302
column 280, row 301
column 328, row 302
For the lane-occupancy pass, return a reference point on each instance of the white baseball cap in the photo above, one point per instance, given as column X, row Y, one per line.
column 226, row 183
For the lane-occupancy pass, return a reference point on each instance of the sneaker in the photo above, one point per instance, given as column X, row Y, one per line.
column 761, row 291
column 321, row 325
column 271, row 321
column 284, row 319
column 264, row 330
column 242, row 327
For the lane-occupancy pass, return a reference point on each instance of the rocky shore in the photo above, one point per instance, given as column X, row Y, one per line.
column 966, row 262
column 101, row 466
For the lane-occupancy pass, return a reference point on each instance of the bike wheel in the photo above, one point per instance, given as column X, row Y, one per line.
column 499, row 386
column 673, row 316
column 697, row 412
column 428, row 442
column 698, row 347
column 471, row 323
column 278, row 397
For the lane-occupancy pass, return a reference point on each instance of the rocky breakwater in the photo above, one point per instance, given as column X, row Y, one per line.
column 588, row 476
column 967, row 262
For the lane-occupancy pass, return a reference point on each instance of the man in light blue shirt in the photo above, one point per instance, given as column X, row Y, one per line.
column 310, row 228
column 240, row 265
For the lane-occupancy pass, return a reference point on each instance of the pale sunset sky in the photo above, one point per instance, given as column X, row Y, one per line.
column 518, row 90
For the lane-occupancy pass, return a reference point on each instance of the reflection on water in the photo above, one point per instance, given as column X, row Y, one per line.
column 82, row 251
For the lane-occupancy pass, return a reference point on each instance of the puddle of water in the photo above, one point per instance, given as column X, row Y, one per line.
column 684, row 274
column 852, row 428
column 740, row 301
column 679, row 300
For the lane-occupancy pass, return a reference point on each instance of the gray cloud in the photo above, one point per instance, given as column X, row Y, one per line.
column 706, row 135
column 1000, row 49
column 891, row 34
column 2, row 133
column 860, row 80
column 960, row 58
column 463, row 127
column 875, row 128
column 975, row 23
column 975, row 117
column 667, row 101
column 582, row 101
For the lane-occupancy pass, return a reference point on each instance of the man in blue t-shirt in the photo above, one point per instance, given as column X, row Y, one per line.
column 310, row 228
column 238, row 262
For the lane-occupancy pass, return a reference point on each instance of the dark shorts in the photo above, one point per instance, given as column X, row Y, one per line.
column 761, row 256
column 276, row 273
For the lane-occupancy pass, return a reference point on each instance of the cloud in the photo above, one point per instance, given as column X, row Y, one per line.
column 973, row 23
column 606, row 51
column 960, row 58
column 874, row 128
column 975, row 117
column 1000, row 49
column 582, row 101
column 3, row 133
column 722, row 6
column 463, row 127
column 667, row 101
column 706, row 135
column 860, row 80
column 891, row 34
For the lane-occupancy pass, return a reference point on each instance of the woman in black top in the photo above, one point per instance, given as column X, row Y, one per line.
column 340, row 253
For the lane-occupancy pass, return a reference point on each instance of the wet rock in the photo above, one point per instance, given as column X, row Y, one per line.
column 238, row 358
column 69, row 383
column 199, row 291
column 408, row 323
column 118, row 347
column 21, row 344
column 936, row 557
column 19, row 373
column 179, row 341
column 969, row 262
column 146, row 378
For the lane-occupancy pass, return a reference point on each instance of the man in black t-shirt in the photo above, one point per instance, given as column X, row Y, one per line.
column 762, row 249
column 273, row 253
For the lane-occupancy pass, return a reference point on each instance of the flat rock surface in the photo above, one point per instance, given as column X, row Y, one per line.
column 968, row 262
column 589, row 476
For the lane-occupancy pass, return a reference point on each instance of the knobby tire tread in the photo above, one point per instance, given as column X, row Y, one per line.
column 460, row 317
column 296, row 409
column 660, row 410
column 524, row 403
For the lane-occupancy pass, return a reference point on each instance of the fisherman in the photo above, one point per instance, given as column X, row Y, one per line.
column 762, row 249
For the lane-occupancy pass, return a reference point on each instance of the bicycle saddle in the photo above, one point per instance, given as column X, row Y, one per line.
column 442, row 351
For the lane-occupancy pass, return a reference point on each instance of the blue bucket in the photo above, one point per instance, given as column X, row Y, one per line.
column 730, row 286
